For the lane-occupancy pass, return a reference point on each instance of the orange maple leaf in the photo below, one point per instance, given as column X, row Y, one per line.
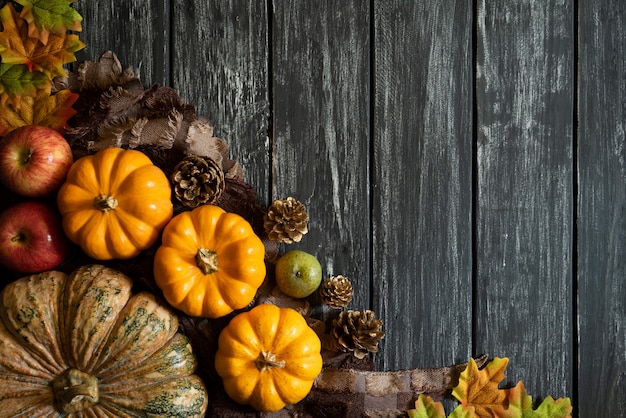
column 16, row 47
column 52, row 111
column 479, row 388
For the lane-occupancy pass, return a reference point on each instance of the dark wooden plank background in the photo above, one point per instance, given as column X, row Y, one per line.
column 601, row 202
column 525, row 121
column 422, row 181
column 462, row 162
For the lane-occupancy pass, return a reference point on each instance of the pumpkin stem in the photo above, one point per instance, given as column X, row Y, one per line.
column 206, row 260
column 267, row 361
column 105, row 202
column 75, row 391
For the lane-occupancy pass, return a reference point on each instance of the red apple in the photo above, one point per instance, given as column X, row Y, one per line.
column 34, row 160
column 31, row 237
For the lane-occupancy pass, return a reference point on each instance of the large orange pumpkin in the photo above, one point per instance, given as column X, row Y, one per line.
column 115, row 203
column 210, row 262
column 268, row 357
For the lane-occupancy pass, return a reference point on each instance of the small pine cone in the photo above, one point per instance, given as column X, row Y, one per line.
column 336, row 292
column 197, row 181
column 286, row 221
column 358, row 332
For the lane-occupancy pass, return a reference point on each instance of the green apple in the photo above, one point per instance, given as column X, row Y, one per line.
column 298, row 274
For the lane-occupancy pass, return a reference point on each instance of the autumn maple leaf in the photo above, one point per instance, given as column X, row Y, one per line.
column 478, row 393
column 521, row 406
column 426, row 407
column 16, row 47
column 16, row 81
column 52, row 111
column 479, row 388
column 47, row 17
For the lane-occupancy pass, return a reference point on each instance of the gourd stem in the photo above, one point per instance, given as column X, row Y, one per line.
column 267, row 360
column 75, row 391
column 105, row 202
column 206, row 260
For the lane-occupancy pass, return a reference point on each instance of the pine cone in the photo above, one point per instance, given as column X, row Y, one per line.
column 336, row 292
column 286, row 221
column 197, row 181
column 358, row 332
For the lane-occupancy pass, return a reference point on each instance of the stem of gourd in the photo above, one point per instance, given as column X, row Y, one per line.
column 267, row 360
column 206, row 260
column 75, row 391
column 105, row 202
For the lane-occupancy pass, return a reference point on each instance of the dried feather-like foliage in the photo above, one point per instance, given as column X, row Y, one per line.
column 115, row 110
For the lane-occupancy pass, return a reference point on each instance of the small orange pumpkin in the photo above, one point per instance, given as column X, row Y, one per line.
column 210, row 262
column 268, row 357
column 115, row 203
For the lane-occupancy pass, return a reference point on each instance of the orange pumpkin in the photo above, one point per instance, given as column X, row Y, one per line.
column 268, row 357
column 210, row 262
column 115, row 203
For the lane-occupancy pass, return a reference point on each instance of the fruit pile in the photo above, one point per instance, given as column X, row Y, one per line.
column 115, row 204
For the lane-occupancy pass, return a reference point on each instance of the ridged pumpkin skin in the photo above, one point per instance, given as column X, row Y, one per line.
column 115, row 203
column 58, row 332
column 268, row 357
column 232, row 271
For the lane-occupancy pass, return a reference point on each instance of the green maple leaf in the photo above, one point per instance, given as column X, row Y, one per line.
column 17, row 48
column 551, row 408
column 520, row 406
column 17, row 80
column 426, row 407
column 463, row 412
column 47, row 17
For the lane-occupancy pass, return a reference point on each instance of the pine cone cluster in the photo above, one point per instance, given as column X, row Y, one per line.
column 286, row 221
column 336, row 292
column 357, row 332
column 197, row 181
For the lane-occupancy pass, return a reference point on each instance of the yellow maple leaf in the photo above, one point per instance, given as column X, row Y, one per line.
column 479, row 388
column 52, row 111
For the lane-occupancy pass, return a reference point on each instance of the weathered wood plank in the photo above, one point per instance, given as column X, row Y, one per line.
column 602, row 209
column 220, row 65
column 422, row 181
column 525, row 89
column 138, row 33
column 321, row 129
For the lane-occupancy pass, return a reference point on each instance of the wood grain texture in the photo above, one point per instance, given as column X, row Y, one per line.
column 525, row 89
column 138, row 33
column 320, row 149
column 220, row 65
column 422, row 181
column 602, row 210
column 384, row 160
